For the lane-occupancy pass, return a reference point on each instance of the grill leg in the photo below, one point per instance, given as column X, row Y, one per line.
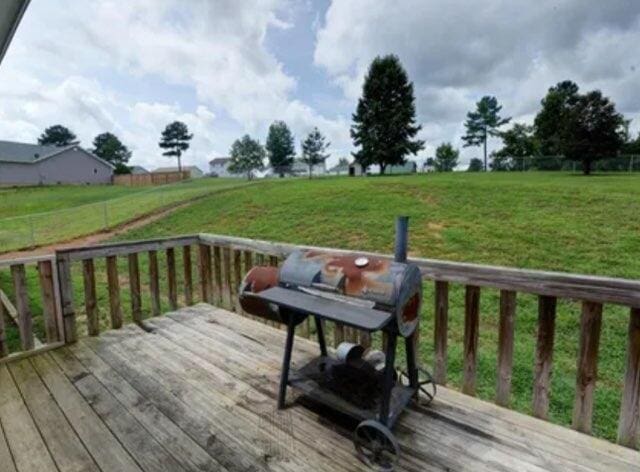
column 388, row 378
column 412, row 363
column 321, row 341
column 286, row 362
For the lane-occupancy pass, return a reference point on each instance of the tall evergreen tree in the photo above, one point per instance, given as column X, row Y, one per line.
column 108, row 147
column 384, row 123
column 313, row 149
column 556, row 106
column 247, row 155
column 175, row 139
column 482, row 123
column 446, row 158
column 57, row 135
column 280, row 148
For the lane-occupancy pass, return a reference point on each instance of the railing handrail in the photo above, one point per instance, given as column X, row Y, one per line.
column 539, row 282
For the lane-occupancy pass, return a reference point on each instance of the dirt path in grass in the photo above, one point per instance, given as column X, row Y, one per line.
column 97, row 237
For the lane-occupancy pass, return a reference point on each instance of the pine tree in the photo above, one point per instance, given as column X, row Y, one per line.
column 57, row 135
column 280, row 148
column 313, row 149
column 384, row 124
column 247, row 156
column 482, row 123
column 175, row 138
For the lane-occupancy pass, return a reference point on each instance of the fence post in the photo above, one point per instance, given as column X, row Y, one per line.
column 106, row 215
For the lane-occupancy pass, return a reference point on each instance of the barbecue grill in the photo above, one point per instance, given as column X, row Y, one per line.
column 359, row 291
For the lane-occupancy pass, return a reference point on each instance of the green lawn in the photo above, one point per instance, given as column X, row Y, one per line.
column 552, row 221
column 44, row 215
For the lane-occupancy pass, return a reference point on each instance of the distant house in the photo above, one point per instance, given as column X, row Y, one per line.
column 341, row 168
column 194, row 171
column 138, row 170
column 409, row 167
column 219, row 167
column 356, row 169
column 32, row 164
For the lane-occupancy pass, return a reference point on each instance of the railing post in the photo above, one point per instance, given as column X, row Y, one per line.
column 505, row 346
column 66, row 297
column 172, row 285
column 90, row 299
column 441, row 321
column 471, row 328
column 4, row 350
column 629, row 424
column 25, row 319
column 217, row 275
column 204, row 252
column 154, row 283
column 113, row 284
column 134, row 287
column 188, row 276
column 49, row 306
column 587, row 365
column 544, row 356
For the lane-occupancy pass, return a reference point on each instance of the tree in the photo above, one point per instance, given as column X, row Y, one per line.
column 519, row 143
column 482, row 123
column 475, row 165
column 446, row 158
column 175, row 138
column 247, row 156
column 556, row 107
column 580, row 127
column 313, row 149
column 57, row 135
column 280, row 148
column 108, row 147
column 384, row 123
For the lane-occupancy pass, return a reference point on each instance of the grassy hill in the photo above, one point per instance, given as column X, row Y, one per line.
column 536, row 220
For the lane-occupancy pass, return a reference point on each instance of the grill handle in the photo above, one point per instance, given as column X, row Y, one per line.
column 402, row 237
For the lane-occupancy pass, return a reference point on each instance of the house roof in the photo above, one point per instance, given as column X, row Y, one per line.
column 175, row 169
column 9, row 20
column 138, row 170
column 219, row 161
column 25, row 153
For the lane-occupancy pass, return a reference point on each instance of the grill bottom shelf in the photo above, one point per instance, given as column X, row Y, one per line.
column 353, row 390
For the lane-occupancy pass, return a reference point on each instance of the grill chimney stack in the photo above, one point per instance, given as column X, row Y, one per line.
column 402, row 237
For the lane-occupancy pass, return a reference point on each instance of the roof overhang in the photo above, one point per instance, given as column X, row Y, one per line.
column 11, row 12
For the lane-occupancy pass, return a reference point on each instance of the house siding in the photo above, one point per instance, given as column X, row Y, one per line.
column 69, row 167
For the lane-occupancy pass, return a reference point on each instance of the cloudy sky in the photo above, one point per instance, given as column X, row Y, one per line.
column 228, row 67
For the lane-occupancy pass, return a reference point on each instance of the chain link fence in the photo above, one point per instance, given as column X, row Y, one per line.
column 621, row 163
column 46, row 228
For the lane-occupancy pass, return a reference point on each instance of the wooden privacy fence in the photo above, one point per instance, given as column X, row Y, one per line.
column 152, row 178
column 221, row 261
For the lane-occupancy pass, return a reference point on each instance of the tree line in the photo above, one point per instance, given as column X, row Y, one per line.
column 174, row 139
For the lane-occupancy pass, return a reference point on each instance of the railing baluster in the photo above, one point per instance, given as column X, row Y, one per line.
column 237, row 278
column 204, row 253
column 629, row 424
column 114, row 292
column 338, row 334
column 471, row 325
column 217, row 275
column 544, row 355
column 154, row 283
column 505, row 346
column 587, row 366
column 90, row 299
column 4, row 349
column 25, row 320
column 134, row 287
column 172, row 284
column 66, row 298
column 188, row 275
column 226, row 267
column 47, row 293
column 441, row 331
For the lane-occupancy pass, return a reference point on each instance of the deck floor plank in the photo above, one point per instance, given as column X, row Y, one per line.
column 65, row 447
column 27, row 447
column 199, row 394
column 80, row 360
column 105, row 449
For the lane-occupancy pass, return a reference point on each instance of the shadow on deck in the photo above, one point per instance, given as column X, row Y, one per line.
column 199, row 393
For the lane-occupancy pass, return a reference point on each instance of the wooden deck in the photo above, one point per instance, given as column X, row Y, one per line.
column 198, row 393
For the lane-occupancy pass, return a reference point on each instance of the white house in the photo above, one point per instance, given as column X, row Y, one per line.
column 219, row 167
column 32, row 164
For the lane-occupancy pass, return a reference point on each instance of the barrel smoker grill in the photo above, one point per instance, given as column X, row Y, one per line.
column 363, row 292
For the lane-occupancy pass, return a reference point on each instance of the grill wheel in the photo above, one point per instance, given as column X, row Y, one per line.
column 376, row 446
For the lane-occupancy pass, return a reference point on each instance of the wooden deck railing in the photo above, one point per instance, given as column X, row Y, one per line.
column 222, row 260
